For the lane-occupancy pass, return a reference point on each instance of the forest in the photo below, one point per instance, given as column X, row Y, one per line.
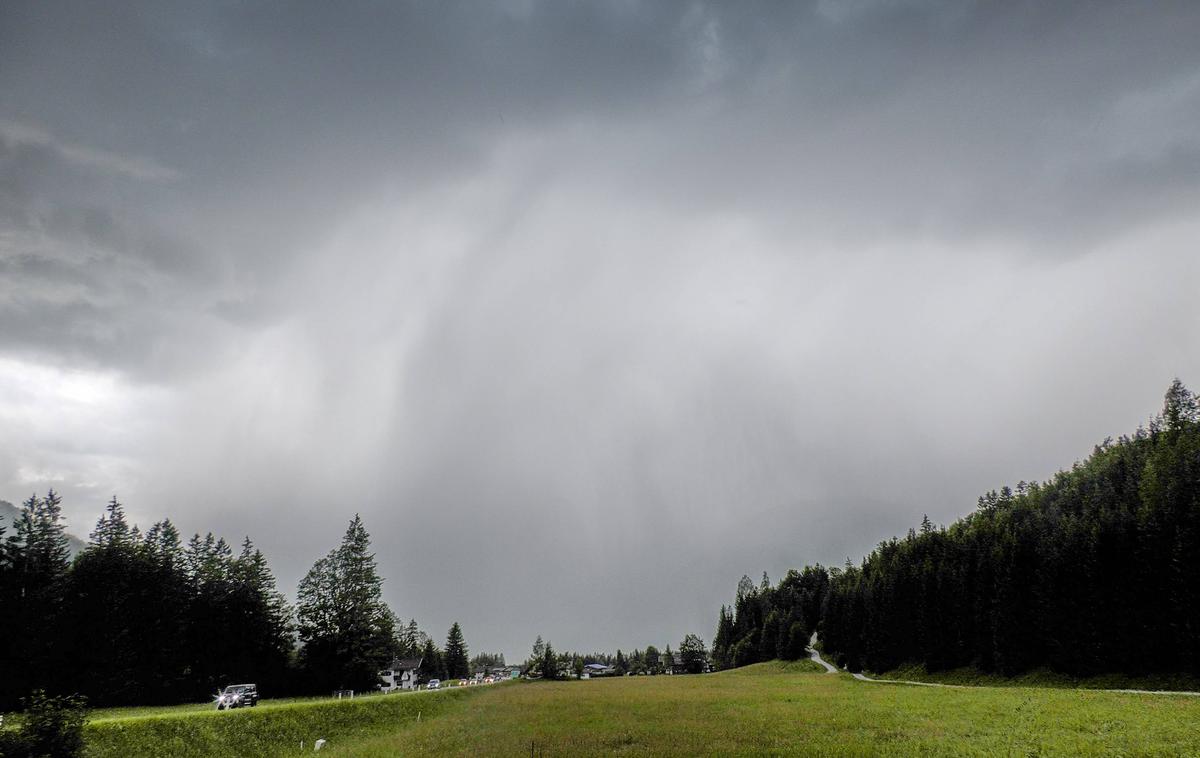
column 1095, row 571
column 141, row 618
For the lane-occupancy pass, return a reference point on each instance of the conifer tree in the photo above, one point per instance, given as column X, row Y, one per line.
column 37, row 557
column 456, row 658
column 431, row 663
column 345, row 627
column 549, row 663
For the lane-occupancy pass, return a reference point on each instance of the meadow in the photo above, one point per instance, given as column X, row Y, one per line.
column 767, row 709
column 273, row 728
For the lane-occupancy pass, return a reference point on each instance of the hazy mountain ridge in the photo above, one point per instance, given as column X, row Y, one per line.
column 8, row 515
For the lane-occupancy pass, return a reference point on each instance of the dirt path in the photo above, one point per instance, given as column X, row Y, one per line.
column 831, row 669
column 814, row 655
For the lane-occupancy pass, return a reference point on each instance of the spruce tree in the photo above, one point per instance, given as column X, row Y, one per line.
column 345, row 627
column 37, row 557
column 538, row 654
column 549, row 663
column 456, row 659
column 431, row 663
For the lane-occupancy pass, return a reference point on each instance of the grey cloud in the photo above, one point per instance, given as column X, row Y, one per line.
column 131, row 166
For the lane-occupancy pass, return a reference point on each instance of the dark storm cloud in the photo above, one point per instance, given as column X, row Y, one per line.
column 617, row 300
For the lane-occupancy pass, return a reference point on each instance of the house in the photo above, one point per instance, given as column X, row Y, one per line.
column 675, row 665
column 500, row 673
column 598, row 669
column 401, row 675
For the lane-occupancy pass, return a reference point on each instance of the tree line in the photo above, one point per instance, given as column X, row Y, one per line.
column 1095, row 571
column 768, row 622
column 142, row 618
column 692, row 658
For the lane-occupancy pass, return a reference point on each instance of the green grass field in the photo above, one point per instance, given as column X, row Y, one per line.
column 273, row 728
column 1045, row 678
column 769, row 709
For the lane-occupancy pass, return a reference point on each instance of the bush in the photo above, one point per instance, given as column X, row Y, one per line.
column 52, row 727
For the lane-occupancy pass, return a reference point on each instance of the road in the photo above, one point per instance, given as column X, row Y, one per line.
column 813, row 654
column 831, row 669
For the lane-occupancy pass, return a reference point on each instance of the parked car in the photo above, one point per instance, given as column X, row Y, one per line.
column 238, row 696
column 434, row 684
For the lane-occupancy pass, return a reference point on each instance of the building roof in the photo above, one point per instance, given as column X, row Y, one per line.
column 406, row 663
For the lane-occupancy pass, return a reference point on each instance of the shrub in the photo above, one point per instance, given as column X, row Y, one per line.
column 52, row 727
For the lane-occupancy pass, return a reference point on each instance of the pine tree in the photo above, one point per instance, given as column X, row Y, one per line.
column 537, row 655
column 723, row 639
column 432, row 666
column 263, row 616
column 1179, row 407
column 37, row 557
column 345, row 627
column 549, row 663
column 102, row 592
column 112, row 530
column 456, row 659
column 410, row 642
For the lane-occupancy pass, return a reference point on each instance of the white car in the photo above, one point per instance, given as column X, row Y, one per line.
column 434, row 684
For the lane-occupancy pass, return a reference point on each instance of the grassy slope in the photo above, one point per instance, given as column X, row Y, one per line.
column 771, row 708
column 274, row 728
column 1044, row 678
column 765, row 709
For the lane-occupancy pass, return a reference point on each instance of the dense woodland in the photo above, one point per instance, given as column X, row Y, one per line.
column 1095, row 571
column 141, row 618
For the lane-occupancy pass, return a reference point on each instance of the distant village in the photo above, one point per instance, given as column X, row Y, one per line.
column 405, row 673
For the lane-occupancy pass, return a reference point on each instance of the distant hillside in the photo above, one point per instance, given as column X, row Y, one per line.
column 8, row 513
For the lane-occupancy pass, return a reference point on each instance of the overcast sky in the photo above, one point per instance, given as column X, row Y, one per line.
column 587, row 308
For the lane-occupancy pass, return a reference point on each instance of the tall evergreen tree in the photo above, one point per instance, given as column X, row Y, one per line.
column 456, row 658
column 723, row 640
column 37, row 558
column 432, row 666
column 345, row 627
column 549, row 663
column 410, row 641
